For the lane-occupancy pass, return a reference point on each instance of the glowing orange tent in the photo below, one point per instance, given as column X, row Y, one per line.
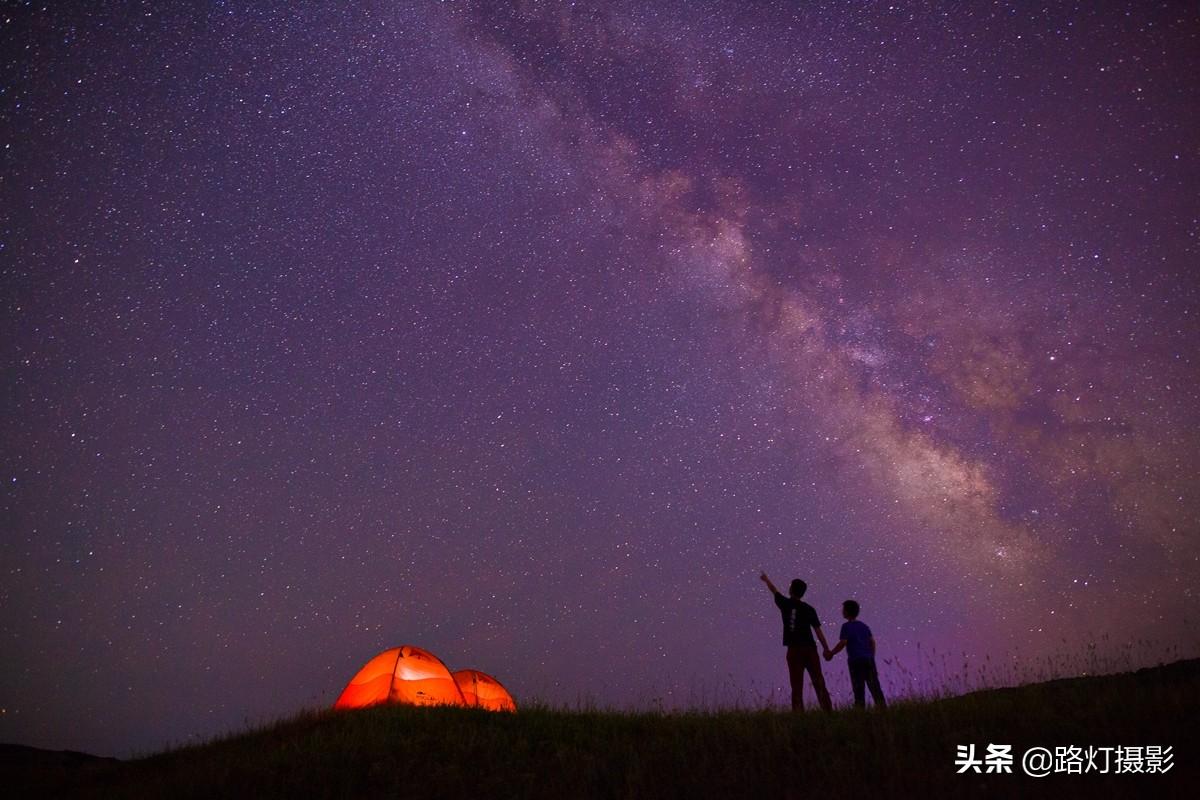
column 483, row 691
column 402, row 675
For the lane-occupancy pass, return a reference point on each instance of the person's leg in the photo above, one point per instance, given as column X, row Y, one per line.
column 795, row 662
column 813, row 664
column 876, row 689
column 858, row 680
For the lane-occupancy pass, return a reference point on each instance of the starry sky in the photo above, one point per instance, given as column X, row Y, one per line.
column 529, row 333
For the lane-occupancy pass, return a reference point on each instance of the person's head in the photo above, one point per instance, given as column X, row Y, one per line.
column 798, row 588
column 850, row 609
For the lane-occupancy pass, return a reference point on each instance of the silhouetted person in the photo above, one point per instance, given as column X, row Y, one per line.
column 799, row 623
column 860, row 656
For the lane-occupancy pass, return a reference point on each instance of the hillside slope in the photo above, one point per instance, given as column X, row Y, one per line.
column 447, row 752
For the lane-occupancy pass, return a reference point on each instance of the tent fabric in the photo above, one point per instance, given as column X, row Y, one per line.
column 481, row 690
column 402, row 675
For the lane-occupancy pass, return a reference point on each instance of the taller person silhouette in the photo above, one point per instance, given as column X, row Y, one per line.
column 799, row 624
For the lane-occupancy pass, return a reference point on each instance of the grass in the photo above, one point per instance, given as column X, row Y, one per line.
column 543, row 752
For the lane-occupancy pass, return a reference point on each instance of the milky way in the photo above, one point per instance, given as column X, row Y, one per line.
column 529, row 334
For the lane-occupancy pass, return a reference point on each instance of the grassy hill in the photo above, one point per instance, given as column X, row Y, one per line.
column 905, row 751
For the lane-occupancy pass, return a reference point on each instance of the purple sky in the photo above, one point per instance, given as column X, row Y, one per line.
column 529, row 337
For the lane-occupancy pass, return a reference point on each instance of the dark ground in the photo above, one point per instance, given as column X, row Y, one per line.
column 907, row 751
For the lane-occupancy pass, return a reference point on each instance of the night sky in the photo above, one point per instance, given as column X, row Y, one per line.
column 529, row 334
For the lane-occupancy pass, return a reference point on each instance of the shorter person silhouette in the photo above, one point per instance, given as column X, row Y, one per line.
column 860, row 656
